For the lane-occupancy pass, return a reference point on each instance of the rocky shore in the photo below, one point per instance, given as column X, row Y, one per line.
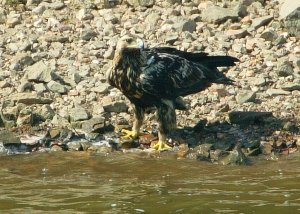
column 54, row 95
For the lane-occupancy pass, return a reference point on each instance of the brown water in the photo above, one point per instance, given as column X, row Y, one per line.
column 129, row 183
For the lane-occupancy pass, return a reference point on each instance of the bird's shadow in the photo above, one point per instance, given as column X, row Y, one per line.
column 247, row 129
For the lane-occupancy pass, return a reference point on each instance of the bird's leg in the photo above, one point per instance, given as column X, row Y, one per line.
column 137, row 123
column 166, row 122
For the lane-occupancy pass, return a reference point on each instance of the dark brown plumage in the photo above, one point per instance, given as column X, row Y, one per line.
column 158, row 77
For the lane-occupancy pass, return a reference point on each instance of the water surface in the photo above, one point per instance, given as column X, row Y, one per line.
column 66, row 182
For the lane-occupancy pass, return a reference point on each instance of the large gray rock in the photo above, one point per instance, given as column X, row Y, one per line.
column 40, row 72
column 290, row 14
column 185, row 25
column 56, row 87
column 30, row 98
column 115, row 107
column 13, row 19
column 78, row 114
column 261, row 21
column 143, row 3
column 218, row 15
column 245, row 96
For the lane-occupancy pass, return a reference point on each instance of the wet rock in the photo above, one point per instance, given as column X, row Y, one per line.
column 56, row 87
column 218, row 15
column 203, row 151
column 246, row 96
column 251, row 117
column 103, row 146
column 74, row 146
column 235, row 157
column 266, row 148
column 115, row 107
column 8, row 137
column 78, row 114
column 183, row 150
column 40, row 72
column 30, row 98
column 54, row 133
column 289, row 14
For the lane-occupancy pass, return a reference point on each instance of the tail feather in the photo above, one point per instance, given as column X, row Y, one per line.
column 218, row 61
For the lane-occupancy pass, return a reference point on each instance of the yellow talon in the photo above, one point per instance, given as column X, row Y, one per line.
column 129, row 134
column 161, row 145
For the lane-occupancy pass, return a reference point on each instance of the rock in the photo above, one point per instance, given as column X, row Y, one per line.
column 8, row 137
column 241, row 33
column 152, row 19
column 101, row 89
column 185, row 25
column 235, row 157
column 78, row 114
column 269, row 35
column 29, row 98
column 250, row 117
column 24, row 86
column 171, row 37
column 266, row 148
column 203, row 151
column 22, row 59
column 115, row 107
column 275, row 92
column 74, row 146
column 88, row 34
column 143, row 3
column 109, row 54
column 13, row 19
column 95, row 124
column 26, row 117
column 56, row 5
column 40, row 88
column 285, row 69
column 2, row 16
column 40, row 72
column 289, row 14
column 245, row 96
column 291, row 86
column 218, row 15
column 84, row 14
column 56, row 87
column 183, row 151
column 44, row 112
column 39, row 9
column 239, row 48
column 261, row 21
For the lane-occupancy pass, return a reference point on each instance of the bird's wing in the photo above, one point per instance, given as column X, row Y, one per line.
column 169, row 76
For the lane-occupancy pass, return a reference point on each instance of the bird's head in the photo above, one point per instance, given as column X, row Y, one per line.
column 130, row 42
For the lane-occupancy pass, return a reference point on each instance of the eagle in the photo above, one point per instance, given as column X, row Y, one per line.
column 159, row 77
